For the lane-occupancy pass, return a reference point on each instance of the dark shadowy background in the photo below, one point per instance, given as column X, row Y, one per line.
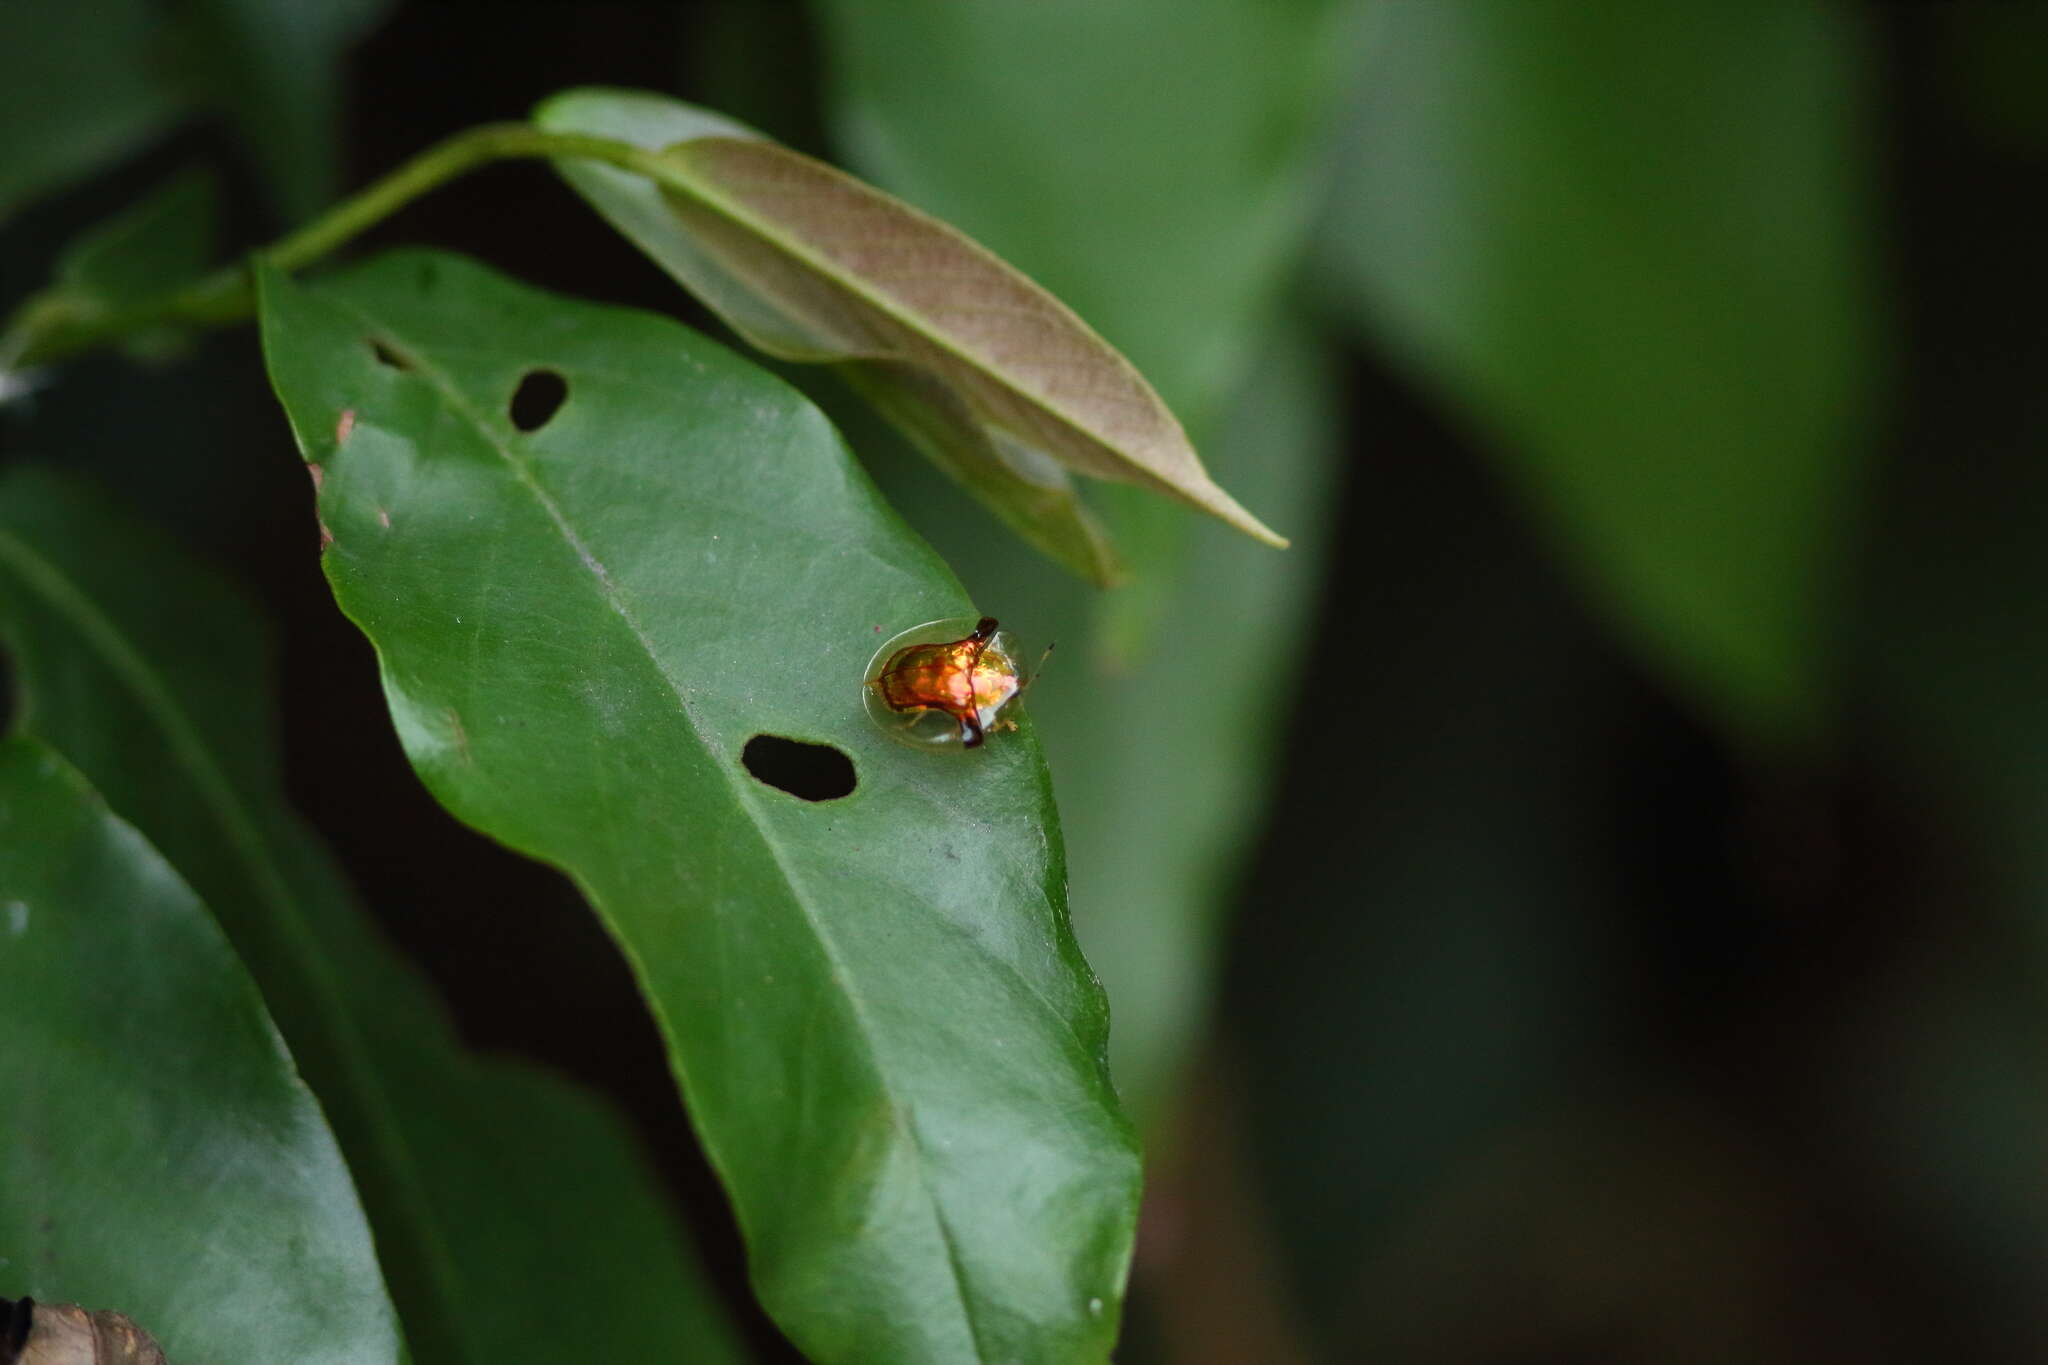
column 1556, row 1025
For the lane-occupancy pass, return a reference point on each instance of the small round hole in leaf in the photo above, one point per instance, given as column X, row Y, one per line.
column 386, row 356
column 539, row 396
column 815, row 772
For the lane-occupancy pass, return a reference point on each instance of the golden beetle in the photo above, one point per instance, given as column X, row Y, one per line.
column 970, row 679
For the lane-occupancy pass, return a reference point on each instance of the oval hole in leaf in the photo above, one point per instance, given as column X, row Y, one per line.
column 815, row 772
column 539, row 396
column 386, row 356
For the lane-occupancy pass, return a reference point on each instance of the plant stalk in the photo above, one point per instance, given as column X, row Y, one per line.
column 56, row 325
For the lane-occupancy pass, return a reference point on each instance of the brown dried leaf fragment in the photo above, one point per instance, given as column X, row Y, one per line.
column 65, row 1334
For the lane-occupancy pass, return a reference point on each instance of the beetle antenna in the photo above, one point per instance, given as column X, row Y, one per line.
column 1036, row 672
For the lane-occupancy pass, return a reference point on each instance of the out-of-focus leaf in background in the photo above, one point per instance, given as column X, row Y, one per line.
column 1633, row 243
column 1152, row 165
column 1935, row 1089
column 482, row 1177
column 276, row 69
column 81, row 84
column 587, row 616
column 1431, row 949
column 158, row 1155
column 151, row 249
column 84, row 83
column 148, row 250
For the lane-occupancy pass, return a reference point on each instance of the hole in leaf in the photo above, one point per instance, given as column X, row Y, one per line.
column 815, row 772
column 386, row 356
column 539, row 396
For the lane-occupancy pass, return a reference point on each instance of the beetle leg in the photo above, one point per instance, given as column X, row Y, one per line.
column 970, row 730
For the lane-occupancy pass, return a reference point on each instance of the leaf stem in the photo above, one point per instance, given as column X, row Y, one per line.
column 56, row 324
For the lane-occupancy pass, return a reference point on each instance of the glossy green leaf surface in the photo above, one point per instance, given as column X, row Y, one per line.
column 884, row 1030
column 1151, row 162
column 80, row 84
column 1630, row 240
column 482, row 1177
column 997, row 379
column 158, row 1156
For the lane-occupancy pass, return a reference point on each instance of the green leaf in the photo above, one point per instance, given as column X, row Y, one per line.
column 811, row 265
column 81, row 83
column 888, row 1039
column 138, row 256
column 148, row 250
column 1152, row 162
column 158, row 1156
column 533, row 1181
column 1629, row 240
column 481, row 1177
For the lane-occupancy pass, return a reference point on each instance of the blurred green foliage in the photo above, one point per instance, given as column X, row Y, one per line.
column 80, row 84
column 86, row 82
column 1592, row 886
column 150, row 676
column 1633, row 244
column 151, row 1104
